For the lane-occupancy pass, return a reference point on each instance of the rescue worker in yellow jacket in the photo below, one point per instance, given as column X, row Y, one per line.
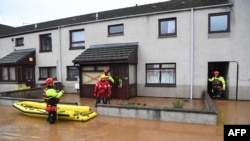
column 218, row 84
column 111, row 81
column 51, row 96
column 109, row 78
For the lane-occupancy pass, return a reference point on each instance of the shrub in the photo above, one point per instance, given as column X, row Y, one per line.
column 178, row 104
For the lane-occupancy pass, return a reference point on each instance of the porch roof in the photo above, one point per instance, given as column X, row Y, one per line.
column 109, row 53
column 17, row 56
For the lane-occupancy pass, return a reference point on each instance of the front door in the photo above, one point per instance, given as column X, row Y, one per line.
column 29, row 77
column 120, row 75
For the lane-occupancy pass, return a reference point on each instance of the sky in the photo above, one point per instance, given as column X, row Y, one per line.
column 24, row 12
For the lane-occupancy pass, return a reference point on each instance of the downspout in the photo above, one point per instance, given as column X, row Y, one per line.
column 60, row 55
column 191, row 52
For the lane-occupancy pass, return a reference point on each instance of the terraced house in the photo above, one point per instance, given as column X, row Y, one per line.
column 165, row 49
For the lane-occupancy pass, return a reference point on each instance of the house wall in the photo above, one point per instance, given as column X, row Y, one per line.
column 221, row 47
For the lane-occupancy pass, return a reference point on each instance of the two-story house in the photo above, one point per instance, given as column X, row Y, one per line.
column 165, row 49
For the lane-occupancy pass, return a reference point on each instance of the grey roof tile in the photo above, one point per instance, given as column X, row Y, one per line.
column 16, row 56
column 119, row 52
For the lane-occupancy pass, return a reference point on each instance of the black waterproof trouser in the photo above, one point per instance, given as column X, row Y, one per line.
column 216, row 92
column 52, row 116
column 98, row 100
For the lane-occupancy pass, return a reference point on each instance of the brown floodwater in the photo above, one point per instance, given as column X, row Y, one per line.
column 18, row 127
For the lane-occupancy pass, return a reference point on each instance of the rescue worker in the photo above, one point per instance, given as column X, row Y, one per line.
column 109, row 78
column 218, row 84
column 102, row 90
column 111, row 82
column 51, row 96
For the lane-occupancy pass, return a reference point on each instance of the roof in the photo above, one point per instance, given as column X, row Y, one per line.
column 17, row 56
column 137, row 10
column 4, row 27
column 109, row 53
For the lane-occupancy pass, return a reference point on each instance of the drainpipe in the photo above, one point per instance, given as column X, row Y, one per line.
column 191, row 52
column 60, row 55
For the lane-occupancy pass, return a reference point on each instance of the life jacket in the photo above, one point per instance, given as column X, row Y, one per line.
column 52, row 100
column 216, row 84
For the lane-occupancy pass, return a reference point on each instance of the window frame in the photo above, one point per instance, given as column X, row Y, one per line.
column 69, row 78
column 115, row 33
column 219, row 14
column 160, row 69
column 71, row 47
column 49, row 73
column 9, row 74
column 18, row 40
column 160, row 34
column 41, row 37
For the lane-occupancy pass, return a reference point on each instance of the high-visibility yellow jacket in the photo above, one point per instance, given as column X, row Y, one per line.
column 110, row 79
column 220, row 79
column 52, row 93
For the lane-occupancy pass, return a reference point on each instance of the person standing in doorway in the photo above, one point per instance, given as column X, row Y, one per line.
column 102, row 90
column 111, row 81
column 51, row 97
column 109, row 78
column 218, row 84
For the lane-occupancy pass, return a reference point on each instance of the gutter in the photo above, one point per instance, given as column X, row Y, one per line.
column 60, row 55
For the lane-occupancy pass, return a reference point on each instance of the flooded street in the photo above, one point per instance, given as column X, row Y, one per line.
column 16, row 126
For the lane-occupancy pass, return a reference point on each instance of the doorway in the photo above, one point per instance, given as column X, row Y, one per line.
column 120, row 89
column 222, row 67
column 29, row 77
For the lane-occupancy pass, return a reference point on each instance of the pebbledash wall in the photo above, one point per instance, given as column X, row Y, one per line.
column 191, row 49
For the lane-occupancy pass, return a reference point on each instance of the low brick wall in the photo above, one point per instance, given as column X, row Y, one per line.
column 32, row 93
column 206, row 116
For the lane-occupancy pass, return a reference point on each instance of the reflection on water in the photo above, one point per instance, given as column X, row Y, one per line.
column 18, row 127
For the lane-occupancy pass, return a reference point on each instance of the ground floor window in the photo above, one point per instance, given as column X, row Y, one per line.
column 8, row 74
column 45, row 72
column 72, row 73
column 161, row 74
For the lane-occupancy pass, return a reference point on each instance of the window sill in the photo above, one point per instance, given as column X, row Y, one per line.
column 160, row 85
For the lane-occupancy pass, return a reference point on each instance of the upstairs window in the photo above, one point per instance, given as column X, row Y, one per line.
column 45, row 72
column 77, row 39
column 167, row 27
column 161, row 74
column 115, row 29
column 19, row 42
column 45, row 43
column 219, row 22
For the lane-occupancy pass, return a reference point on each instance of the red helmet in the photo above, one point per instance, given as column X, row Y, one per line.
column 216, row 72
column 49, row 81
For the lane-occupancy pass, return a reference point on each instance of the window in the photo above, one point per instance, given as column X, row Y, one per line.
column 19, row 42
column 167, row 27
column 72, row 73
column 219, row 22
column 8, row 74
column 45, row 72
column 161, row 74
column 45, row 43
column 115, row 29
column 77, row 39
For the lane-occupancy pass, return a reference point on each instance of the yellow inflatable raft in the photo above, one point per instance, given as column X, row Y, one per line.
column 64, row 111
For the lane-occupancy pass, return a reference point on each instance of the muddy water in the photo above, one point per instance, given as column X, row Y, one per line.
column 18, row 127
